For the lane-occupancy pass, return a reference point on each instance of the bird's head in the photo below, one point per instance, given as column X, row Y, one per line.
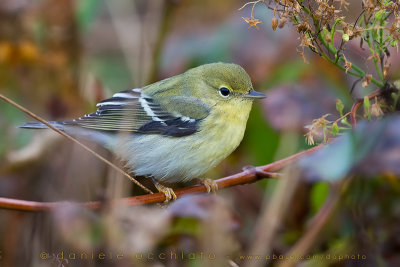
column 223, row 82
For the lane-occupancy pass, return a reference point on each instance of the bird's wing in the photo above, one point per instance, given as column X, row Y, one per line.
column 134, row 111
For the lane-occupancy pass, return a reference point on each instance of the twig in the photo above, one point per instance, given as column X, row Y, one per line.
column 36, row 117
column 251, row 3
column 358, row 103
column 249, row 175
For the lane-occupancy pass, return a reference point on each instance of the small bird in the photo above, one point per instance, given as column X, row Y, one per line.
column 173, row 130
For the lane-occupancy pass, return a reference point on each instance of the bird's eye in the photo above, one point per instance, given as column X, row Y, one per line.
column 224, row 91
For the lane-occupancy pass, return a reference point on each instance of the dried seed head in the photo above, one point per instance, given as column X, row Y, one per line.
column 367, row 80
column 347, row 64
column 327, row 38
column 252, row 22
column 282, row 23
column 304, row 27
column 301, row 53
column 274, row 23
column 310, row 138
column 297, row 7
column 386, row 70
column 375, row 109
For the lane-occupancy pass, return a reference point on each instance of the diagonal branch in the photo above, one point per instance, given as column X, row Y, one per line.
column 249, row 175
column 112, row 165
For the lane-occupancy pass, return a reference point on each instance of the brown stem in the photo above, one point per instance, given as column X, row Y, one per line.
column 250, row 175
column 358, row 103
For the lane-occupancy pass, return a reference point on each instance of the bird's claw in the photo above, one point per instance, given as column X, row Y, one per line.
column 210, row 185
column 167, row 191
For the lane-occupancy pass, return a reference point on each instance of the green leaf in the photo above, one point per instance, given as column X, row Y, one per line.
column 388, row 3
column 345, row 122
column 188, row 226
column 379, row 14
column 335, row 129
column 345, row 37
column 339, row 106
column 367, row 105
column 325, row 31
column 319, row 193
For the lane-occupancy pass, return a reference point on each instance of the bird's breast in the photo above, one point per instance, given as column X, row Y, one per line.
column 224, row 128
column 180, row 159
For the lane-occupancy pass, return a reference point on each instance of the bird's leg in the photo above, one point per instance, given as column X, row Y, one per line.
column 168, row 192
column 210, row 184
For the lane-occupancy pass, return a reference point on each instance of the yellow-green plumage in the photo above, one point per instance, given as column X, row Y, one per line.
column 171, row 159
column 175, row 129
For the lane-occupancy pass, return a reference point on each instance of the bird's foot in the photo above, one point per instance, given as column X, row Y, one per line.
column 167, row 191
column 210, row 184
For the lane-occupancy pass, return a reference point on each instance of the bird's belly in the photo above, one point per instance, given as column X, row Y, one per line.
column 180, row 159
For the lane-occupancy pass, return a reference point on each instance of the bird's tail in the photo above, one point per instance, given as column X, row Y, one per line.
column 70, row 127
column 39, row 125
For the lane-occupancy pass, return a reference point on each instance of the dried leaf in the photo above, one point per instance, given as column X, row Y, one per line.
column 252, row 22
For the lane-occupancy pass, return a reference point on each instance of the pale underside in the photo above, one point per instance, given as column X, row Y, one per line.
column 167, row 146
column 171, row 159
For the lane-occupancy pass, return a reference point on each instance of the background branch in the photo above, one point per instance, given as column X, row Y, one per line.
column 249, row 175
column 314, row 228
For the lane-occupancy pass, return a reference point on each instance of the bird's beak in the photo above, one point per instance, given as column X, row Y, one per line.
column 254, row 94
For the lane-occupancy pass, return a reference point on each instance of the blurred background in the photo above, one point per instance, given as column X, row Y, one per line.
column 59, row 58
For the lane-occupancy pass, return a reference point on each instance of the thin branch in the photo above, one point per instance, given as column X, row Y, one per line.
column 36, row 117
column 358, row 103
column 249, row 175
column 251, row 3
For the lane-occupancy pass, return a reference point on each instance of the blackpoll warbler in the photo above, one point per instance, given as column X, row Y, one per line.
column 173, row 130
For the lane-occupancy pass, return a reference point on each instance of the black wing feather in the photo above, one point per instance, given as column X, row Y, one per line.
column 124, row 112
column 175, row 128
